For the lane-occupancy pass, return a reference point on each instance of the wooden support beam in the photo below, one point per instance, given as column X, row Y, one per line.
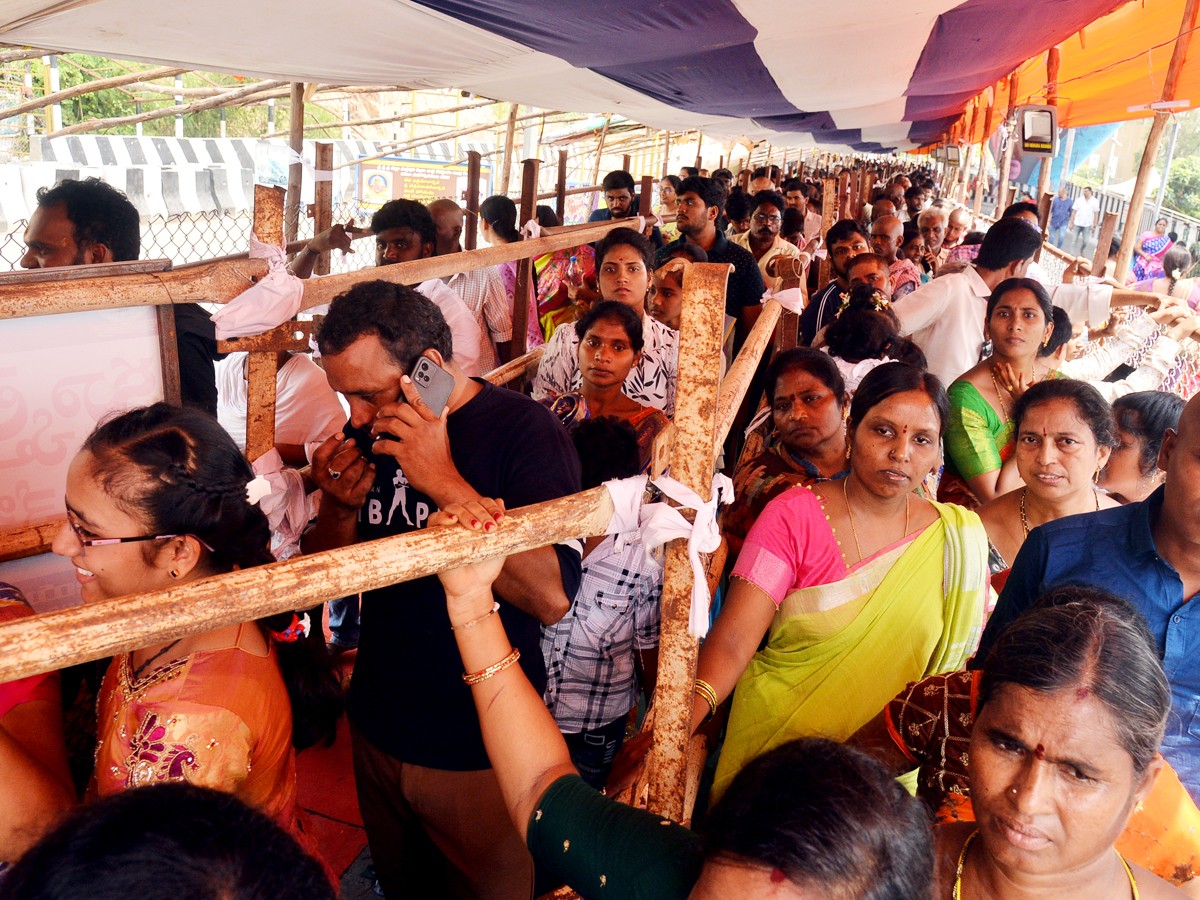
column 523, row 290
column 8, row 56
column 1052, row 65
column 387, row 120
column 291, row 208
column 828, row 217
column 843, row 196
column 666, row 156
column 625, row 160
column 168, row 355
column 506, row 164
column 646, row 196
column 58, row 639
column 560, row 188
column 1108, row 227
column 692, row 461
column 1006, row 156
column 474, row 176
column 323, row 203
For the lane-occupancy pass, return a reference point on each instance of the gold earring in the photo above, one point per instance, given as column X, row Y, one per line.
column 1096, row 477
column 1046, row 341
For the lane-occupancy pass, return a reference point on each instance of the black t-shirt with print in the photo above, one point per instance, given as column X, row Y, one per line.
column 407, row 696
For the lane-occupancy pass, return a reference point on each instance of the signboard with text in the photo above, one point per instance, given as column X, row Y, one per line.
column 423, row 180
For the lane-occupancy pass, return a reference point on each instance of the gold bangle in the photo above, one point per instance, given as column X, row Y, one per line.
column 471, row 624
column 706, row 691
column 478, row 677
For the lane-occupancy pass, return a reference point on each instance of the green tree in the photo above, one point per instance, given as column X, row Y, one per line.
column 1183, row 186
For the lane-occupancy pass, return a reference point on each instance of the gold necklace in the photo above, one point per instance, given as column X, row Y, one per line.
column 854, row 530
column 962, row 859
column 1025, row 516
column 999, row 396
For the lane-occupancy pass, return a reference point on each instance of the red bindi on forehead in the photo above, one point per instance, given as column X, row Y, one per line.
column 1039, row 751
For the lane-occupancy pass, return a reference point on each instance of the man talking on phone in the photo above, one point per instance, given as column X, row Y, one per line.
column 423, row 435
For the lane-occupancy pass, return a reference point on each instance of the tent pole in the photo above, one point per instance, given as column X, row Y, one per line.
column 291, row 211
column 509, row 133
column 1166, row 174
column 1154, row 139
column 1052, row 61
column 1006, row 156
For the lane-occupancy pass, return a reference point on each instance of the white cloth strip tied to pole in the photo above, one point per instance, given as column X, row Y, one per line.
column 658, row 523
column 531, row 230
column 791, row 299
column 268, row 304
column 279, row 492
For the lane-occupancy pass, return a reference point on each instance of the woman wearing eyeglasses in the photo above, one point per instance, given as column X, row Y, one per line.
column 157, row 498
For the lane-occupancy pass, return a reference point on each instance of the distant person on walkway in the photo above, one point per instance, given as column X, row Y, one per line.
column 1060, row 215
column 1083, row 219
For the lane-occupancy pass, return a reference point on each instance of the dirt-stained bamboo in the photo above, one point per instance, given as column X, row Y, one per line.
column 691, row 464
column 516, row 368
column 737, row 380
column 57, row 639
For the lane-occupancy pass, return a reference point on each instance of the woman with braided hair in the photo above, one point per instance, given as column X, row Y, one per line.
column 158, row 497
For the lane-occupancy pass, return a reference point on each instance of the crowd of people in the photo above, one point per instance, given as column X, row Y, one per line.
column 961, row 551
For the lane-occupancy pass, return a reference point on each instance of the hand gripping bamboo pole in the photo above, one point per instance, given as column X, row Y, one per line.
column 65, row 637
column 692, row 464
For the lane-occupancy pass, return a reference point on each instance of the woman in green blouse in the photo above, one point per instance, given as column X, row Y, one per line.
column 810, row 818
column 979, row 435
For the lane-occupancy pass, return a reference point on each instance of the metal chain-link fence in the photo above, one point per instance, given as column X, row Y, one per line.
column 193, row 237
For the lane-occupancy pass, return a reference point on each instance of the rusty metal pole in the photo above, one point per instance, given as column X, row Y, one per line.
column 692, row 463
column 471, row 227
column 261, row 366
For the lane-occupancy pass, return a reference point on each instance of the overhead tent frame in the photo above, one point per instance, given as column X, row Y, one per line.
column 1112, row 70
column 728, row 69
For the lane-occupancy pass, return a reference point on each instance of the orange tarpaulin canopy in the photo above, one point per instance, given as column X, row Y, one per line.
column 1117, row 62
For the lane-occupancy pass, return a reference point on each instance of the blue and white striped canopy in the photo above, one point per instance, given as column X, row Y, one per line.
column 865, row 74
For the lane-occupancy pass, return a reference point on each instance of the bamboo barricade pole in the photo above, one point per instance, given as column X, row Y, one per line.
column 737, row 380
column 322, row 290
column 843, row 196
column 692, row 462
column 58, row 639
column 560, row 188
column 509, row 135
column 645, row 196
column 28, row 540
column 516, row 368
column 323, row 203
column 524, row 284
column 75, row 289
column 1141, row 186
